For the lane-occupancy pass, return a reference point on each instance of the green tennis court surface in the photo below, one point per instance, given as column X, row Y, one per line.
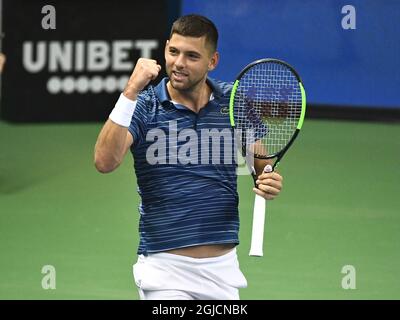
column 340, row 206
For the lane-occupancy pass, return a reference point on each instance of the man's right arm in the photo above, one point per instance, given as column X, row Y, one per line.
column 111, row 146
column 114, row 139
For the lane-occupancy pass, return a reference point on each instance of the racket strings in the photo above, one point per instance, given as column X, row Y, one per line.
column 268, row 106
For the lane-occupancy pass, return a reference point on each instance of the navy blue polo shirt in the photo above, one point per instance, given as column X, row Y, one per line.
column 186, row 171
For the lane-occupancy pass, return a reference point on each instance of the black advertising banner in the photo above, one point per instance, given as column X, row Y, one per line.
column 69, row 60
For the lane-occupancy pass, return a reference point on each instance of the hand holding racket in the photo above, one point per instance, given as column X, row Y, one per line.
column 267, row 109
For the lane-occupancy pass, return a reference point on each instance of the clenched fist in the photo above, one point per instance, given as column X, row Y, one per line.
column 144, row 71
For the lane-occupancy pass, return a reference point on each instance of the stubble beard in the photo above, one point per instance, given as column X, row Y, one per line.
column 188, row 85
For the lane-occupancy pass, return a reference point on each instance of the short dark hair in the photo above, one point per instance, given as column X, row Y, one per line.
column 194, row 25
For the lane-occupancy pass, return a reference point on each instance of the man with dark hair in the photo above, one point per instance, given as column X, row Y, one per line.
column 189, row 219
column 196, row 26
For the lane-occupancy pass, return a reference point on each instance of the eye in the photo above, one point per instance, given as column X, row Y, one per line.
column 193, row 56
column 173, row 51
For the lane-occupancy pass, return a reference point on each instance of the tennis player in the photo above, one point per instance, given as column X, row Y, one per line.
column 189, row 219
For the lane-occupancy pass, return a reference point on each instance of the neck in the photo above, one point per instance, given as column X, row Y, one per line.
column 194, row 99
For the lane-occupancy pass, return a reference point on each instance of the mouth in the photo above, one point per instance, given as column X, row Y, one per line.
column 179, row 76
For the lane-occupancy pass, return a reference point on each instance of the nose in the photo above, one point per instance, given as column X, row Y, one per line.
column 180, row 61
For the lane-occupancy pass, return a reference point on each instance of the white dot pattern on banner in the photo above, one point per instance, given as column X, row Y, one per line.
column 110, row 84
column 96, row 85
column 68, row 85
column 83, row 84
column 122, row 82
column 54, row 85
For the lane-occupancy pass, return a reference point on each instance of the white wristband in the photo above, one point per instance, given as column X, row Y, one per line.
column 123, row 111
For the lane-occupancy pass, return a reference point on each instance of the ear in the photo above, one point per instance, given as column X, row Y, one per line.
column 212, row 64
column 166, row 47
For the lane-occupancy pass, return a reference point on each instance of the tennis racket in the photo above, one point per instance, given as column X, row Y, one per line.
column 267, row 108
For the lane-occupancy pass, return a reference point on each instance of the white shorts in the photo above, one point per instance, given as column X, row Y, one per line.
column 166, row 276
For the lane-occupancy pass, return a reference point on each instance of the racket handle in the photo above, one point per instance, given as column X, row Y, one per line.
column 257, row 234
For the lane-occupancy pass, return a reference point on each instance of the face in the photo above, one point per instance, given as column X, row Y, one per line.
column 188, row 60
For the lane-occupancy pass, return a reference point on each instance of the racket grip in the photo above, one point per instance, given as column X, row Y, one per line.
column 257, row 234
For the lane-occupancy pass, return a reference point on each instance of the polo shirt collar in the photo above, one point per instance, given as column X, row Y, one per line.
column 162, row 93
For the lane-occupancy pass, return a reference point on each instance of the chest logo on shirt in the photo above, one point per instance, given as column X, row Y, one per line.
column 224, row 110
